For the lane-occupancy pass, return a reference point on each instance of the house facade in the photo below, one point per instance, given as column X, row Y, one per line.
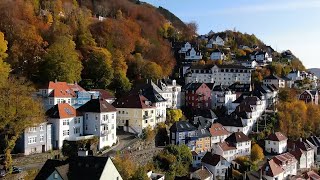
column 216, row 164
column 67, row 123
column 203, row 142
column 197, row 95
column 274, row 80
column 276, row 143
column 134, row 113
column 36, row 139
column 219, row 74
column 310, row 96
column 261, row 56
column 217, row 55
column 100, row 120
column 193, row 55
column 173, row 93
column 222, row 97
column 218, row 133
column 182, row 132
column 215, row 41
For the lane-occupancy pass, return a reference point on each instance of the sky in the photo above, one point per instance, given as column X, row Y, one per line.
column 283, row 24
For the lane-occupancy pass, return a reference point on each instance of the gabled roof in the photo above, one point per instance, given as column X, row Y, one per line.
column 237, row 87
column 61, row 89
column 212, row 159
column 201, row 133
column 231, row 120
column 182, row 126
column 312, row 175
column 277, row 136
column 284, row 159
column 89, row 167
column 217, row 129
column 61, row 111
column 237, row 137
column 149, row 90
column 226, row 146
column 63, row 171
column 133, row 100
column 271, row 168
column 314, row 140
column 201, row 174
column 104, row 94
column 48, row 168
column 98, row 106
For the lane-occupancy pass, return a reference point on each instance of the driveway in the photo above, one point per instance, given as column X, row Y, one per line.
column 125, row 140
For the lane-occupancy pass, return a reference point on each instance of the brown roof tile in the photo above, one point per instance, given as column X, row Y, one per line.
column 225, row 146
column 217, row 129
column 212, row 159
column 60, row 89
column 278, row 136
column 271, row 168
column 104, row 94
column 132, row 100
column 61, row 111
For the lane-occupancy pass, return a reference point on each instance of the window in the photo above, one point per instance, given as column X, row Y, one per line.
column 86, row 127
column 65, row 132
column 112, row 127
column 66, row 122
column 76, row 130
column 95, row 128
column 56, row 176
column 32, row 129
column 41, row 128
column 96, row 117
column 32, row 140
column 41, row 138
column 87, row 116
column 50, row 101
column 112, row 116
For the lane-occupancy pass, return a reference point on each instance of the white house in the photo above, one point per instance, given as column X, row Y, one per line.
column 274, row 80
column 314, row 142
column 100, row 120
column 187, row 46
column 303, row 152
column 225, row 150
column 261, row 56
column 216, row 164
column 272, row 171
column 218, row 133
column 193, row 55
column 276, row 143
column 172, row 92
column 67, row 124
column 249, row 64
column 287, row 162
column 237, row 144
column 215, row 41
column 222, row 97
column 234, row 123
column 224, row 75
column 217, row 55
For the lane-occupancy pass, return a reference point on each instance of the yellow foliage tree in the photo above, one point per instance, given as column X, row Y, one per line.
column 256, row 153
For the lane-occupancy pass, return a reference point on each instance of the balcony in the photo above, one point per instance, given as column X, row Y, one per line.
column 105, row 121
column 159, row 116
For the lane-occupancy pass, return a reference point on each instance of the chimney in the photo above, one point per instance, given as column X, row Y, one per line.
column 260, row 174
column 55, row 80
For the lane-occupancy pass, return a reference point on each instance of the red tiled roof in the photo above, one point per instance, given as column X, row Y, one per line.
column 226, row 146
column 217, row 129
column 76, row 87
column 62, row 111
column 278, row 136
column 60, row 89
column 312, row 175
column 284, row 158
column 271, row 168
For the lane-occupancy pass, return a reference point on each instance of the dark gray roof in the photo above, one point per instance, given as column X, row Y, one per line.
column 237, row 87
column 237, row 137
column 48, row 168
column 150, row 91
column 201, row 133
column 97, row 105
column 182, row 126
column 212, row 159
column 192, row 86
column 231, row 120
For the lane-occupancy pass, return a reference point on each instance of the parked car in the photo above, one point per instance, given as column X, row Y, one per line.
column 16, row 169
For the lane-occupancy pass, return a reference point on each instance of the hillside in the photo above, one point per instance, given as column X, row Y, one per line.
column 176, row 22
column 101, row 44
